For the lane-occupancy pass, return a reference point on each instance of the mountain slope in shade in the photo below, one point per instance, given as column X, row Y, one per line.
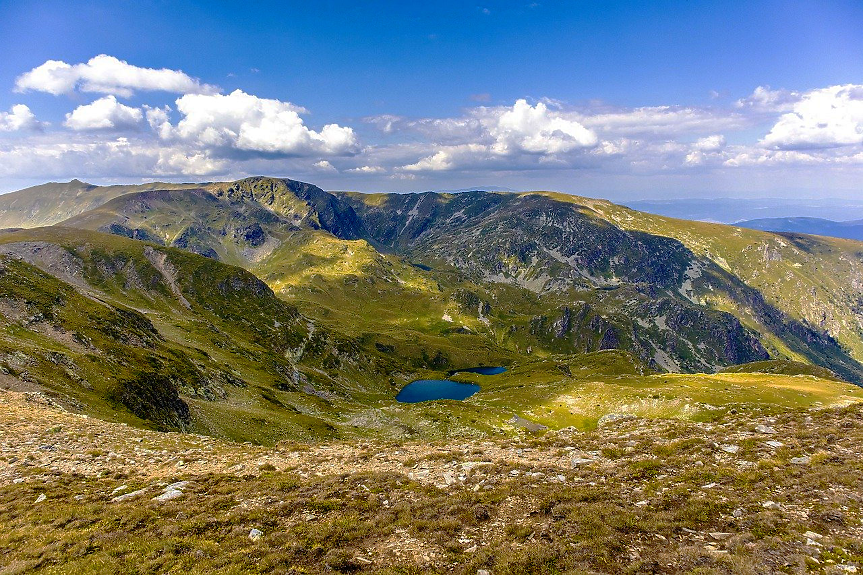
column 852, row 230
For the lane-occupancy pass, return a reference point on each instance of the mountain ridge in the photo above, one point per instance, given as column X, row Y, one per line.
column 569, row 292
column 851, row 229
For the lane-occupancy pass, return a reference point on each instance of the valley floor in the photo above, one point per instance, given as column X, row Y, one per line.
column 748, row 493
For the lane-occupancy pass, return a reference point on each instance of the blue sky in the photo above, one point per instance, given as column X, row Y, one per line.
column 617, row 99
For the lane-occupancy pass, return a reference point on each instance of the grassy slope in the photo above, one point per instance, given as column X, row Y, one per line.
column 233, row 347
column 210, row 226
column 785, row 330
column 636, row 496
column 219, row 334
column 810, row 278
column 389, row 309
column 49, row 204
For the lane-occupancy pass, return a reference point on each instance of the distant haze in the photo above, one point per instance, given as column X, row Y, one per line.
column 732, row 210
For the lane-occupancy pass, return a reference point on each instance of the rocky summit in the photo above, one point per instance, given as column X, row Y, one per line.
column 204, row 377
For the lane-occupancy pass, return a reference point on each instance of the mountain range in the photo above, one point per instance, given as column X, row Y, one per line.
column 266, row 308
column 852, row 230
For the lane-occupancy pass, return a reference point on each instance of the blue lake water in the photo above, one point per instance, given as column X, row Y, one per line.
column 480, row 370
column 430, row 389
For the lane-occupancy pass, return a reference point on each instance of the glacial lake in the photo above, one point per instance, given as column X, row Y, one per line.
column 430, row 389
column 479, row 370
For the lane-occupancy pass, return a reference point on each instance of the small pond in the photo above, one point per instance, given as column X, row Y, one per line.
column 429, row 389
column 479, row 370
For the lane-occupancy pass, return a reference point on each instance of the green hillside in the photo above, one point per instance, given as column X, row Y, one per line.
column 268, row 309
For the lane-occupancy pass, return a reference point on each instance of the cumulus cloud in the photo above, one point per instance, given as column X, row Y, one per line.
column 247, row 123
column 159, row 120
column 710, row 143
column 107, row 75
column 495, row 134
column 704, row 150
column 763, row 99
column 19, row 117
column 822, row 118
column 104, row 114
column 536, row 130
column 324, row 166
column 367, row 170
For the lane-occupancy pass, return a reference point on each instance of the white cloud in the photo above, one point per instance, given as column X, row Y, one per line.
column 710, row 143
column 386, row 123
column 822, row 118
column 159, row 121
column 88, row 156
column 19, row 117
column 491, row 135
column 754, row 157
column 240, row 121
column 705, row 150
column 324, row 166
column 107, row 75
column 533, row 129
column 662, row 121
column 104, row 114
column 367, row 170
column 763, row 99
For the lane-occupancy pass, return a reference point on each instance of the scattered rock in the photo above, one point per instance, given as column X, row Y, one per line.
column 168, row 495
column 764, row 429
column 255, row 534
column 771, row 505
column 729, row 448
column 41, row 498
column 527, row 424
column 614, row 418
column 577, row 460
column 127, row 496
column 800, row 460
column 774, row 444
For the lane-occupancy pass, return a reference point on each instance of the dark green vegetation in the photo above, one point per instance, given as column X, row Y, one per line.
column 265, row 308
